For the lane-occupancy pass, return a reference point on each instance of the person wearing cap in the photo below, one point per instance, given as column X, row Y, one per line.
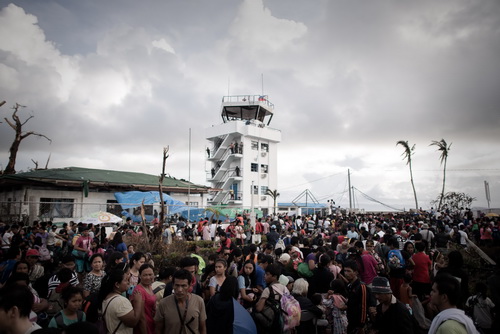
column 427, row 235
column 273, row 236
column 35, row 270
column 392, row 316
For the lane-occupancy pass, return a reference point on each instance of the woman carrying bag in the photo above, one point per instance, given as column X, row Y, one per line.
column 119, row 314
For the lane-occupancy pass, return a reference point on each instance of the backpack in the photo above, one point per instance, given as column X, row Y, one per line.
column 280, row 244
column 56, row 303
column 303, row 270
column 109, row 250
column 291, row 311
column 60, row 320
column 394, row 261
column 270, row 319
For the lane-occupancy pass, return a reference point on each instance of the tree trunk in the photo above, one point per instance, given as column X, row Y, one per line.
column 14, row 148
column 442, row 191
column 413, row 186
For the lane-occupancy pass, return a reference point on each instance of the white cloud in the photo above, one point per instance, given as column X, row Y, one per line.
column 162, row 44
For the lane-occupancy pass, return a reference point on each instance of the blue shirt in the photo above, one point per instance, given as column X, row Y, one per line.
column 259, row 277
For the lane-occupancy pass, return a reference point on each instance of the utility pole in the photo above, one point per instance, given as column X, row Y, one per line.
column 349, row 182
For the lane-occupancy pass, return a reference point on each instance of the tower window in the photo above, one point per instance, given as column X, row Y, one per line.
column 264, row 147
column 264, row 168
column 255, row 145
column 254, row 167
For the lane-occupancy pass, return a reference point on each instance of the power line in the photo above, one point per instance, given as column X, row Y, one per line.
column 321, row 178
column 376, row 201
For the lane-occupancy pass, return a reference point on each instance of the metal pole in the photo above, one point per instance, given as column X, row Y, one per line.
column 349, row 182
column 189, row 177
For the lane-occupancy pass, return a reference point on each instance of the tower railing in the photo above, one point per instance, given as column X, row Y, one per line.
column 248, row 99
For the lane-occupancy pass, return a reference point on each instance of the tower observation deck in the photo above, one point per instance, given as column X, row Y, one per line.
column 247, row 107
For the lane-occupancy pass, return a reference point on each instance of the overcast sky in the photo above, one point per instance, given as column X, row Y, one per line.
column 113, row 82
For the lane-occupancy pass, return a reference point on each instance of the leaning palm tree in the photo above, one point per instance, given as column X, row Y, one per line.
column 407, row 155
column 274, row 194
column 215, row 211
column 444, row 148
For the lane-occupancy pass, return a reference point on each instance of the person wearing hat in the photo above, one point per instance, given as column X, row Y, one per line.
column 392, row 316
column 273, row 236
column 427, row 235
column 35, row 270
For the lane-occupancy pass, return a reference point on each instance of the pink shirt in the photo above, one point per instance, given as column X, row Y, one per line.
column 370, row 268
column 149, row 309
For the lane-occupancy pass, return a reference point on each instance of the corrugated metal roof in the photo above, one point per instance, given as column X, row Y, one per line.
column 109, row 177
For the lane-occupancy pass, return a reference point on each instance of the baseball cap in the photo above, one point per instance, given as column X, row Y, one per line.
column 32, row 252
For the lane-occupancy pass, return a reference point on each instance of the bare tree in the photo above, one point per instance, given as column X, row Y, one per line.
column 407, row 155
column 444, row 148
column 17, row 125
column 160, row 186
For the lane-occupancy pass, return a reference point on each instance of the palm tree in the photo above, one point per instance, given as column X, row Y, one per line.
column 444, row 148
column 215, row 213
column 274, row 194
column 407, row 155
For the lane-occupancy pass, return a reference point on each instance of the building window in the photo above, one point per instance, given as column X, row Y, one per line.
column 255, row 190
column 56, row 207
column 263, row 190
column 264, row 147
column 264, row 168
column 113, row 207
column 192, row 204
column 255, row 145
column 254, row 167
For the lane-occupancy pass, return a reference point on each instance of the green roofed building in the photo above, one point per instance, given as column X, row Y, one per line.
column 65, row 194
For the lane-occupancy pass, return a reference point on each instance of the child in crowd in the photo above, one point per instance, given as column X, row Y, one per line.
column 71, row 313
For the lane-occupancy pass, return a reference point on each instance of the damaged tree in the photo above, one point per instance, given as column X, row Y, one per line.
column 160, row 187
column 17, row 125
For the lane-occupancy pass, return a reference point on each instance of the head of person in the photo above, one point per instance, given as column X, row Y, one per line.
column 15, row 304
column 420, row 246
column 115, row 281
column 166, row 273
column 338, row 286
column 300, row 287
column 17, row 279
column 381, row 289
column 137, row 260
column 21, row 267
column 64, row 275
column 445, row 292
column 96, row 262
column 272, row 273
column 181, row 282
column 220, row 267
column 189, row 263
column 72, row 297
column 351, row 270
column 68, row 262
column 146, row 274
column 409, row 247
column 455, row 259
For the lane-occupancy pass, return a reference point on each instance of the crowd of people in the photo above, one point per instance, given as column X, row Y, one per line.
column 351, row 273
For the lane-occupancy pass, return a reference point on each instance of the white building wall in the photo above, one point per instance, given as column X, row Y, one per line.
column 248, row 133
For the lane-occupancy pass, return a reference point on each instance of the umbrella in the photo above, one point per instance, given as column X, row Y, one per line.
column 492, row 214
column 101, row 217
column 243, row 322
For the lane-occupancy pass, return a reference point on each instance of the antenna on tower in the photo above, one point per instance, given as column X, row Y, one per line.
column 262, row 82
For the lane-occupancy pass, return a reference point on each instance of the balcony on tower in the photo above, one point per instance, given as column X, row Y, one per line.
column 247, row 108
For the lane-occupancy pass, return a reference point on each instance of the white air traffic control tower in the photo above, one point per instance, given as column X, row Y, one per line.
column 242, row 154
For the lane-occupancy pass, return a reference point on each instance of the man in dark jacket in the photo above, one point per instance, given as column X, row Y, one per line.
column 392, row 316
column 360, row 301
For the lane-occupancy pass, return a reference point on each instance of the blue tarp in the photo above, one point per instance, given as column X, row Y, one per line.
column 134, row 199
